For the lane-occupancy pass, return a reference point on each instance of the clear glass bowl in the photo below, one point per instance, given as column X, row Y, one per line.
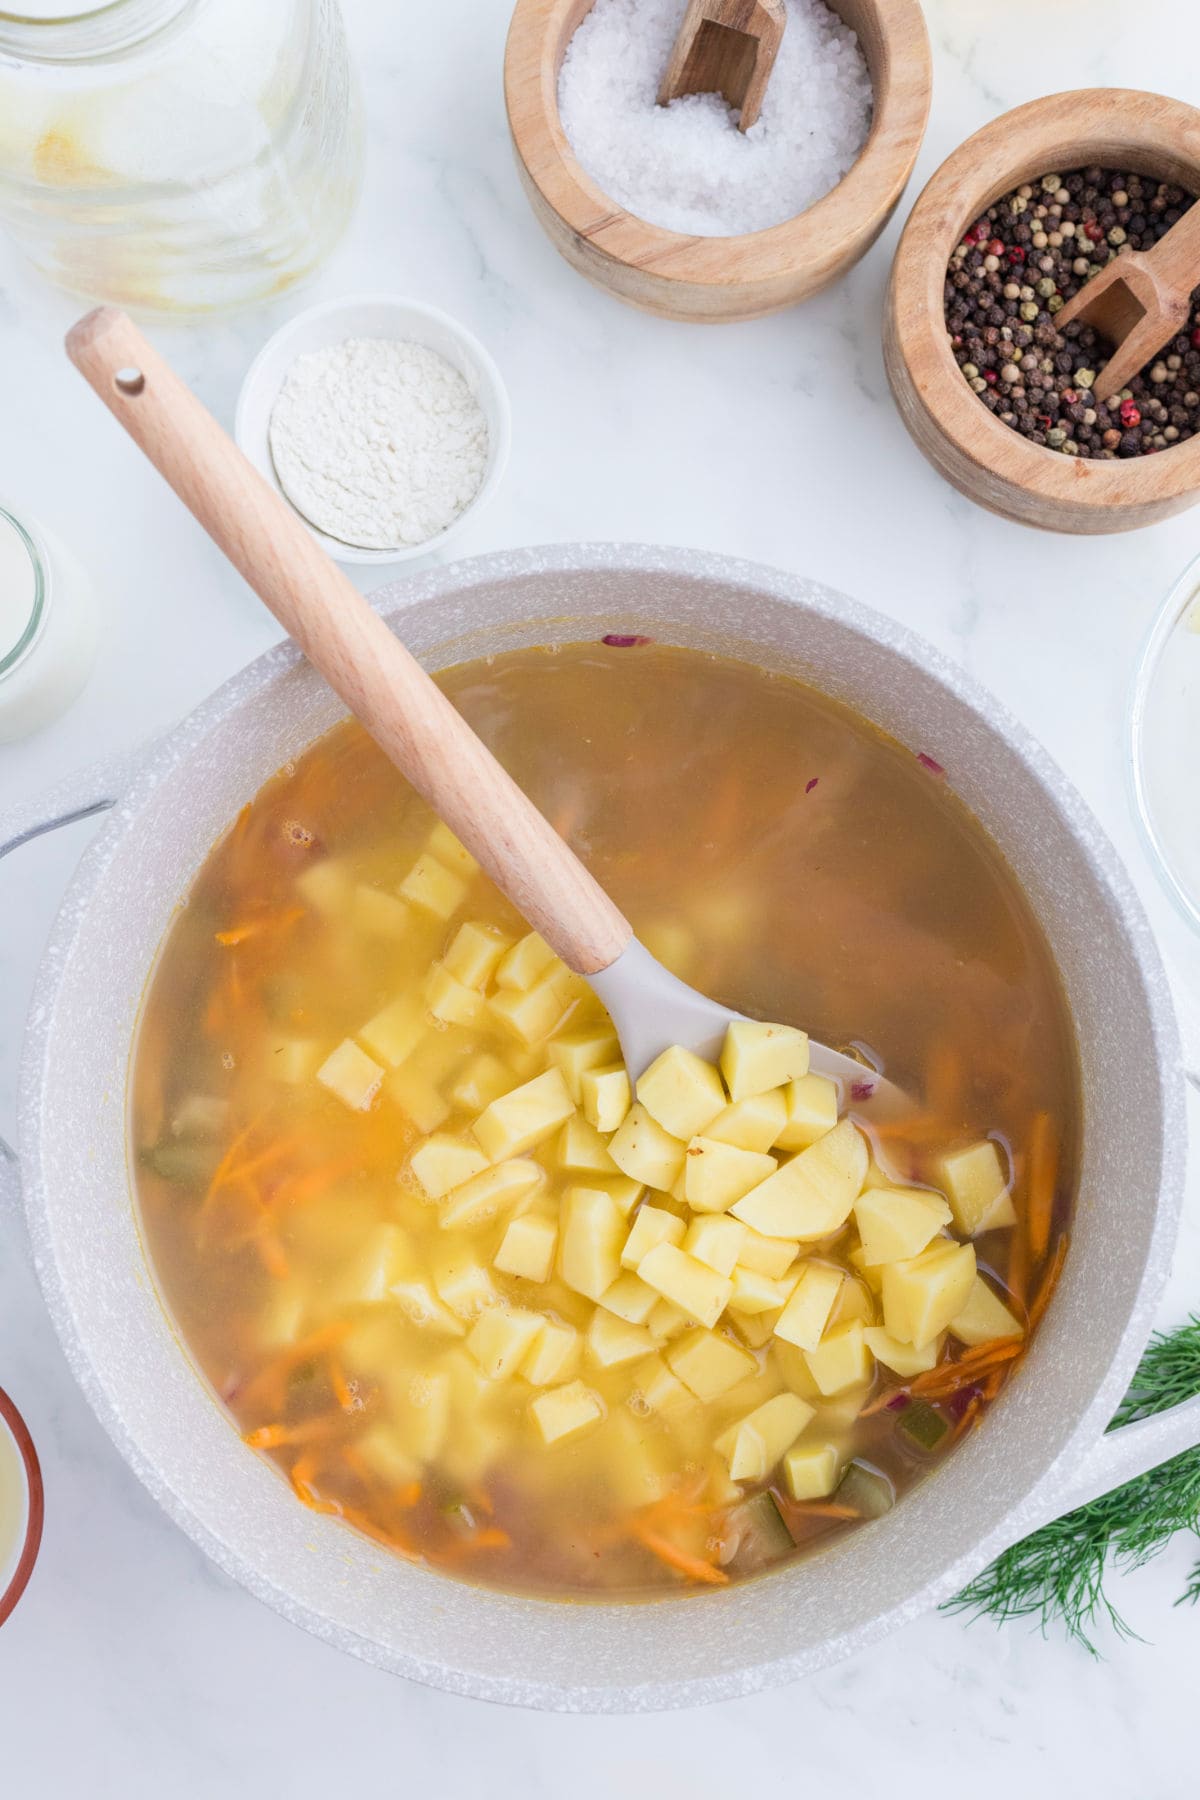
column 1164, row 728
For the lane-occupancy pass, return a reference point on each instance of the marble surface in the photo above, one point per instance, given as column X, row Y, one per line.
column 132, row 1668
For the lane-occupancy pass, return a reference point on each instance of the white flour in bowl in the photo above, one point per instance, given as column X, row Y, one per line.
column 379, row 442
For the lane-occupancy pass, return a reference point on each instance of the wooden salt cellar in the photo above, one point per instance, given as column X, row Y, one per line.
column 714, row 279
column 1109, row 128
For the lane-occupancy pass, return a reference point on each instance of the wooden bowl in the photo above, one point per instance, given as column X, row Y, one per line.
column 708, row 278
column 1111, row 128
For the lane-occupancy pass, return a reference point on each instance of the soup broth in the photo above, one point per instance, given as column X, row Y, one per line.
column 384, row 1306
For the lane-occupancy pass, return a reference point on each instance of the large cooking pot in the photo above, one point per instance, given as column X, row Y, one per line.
column 1040, row 1449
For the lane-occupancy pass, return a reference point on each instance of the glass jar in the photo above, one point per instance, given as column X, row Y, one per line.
column 47, row 628
column 178, row 154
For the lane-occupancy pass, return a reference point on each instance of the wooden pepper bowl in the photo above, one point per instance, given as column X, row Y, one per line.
column 1109, row 128
column 705, row 278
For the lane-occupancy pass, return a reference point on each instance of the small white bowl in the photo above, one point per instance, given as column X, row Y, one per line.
column 373, row 316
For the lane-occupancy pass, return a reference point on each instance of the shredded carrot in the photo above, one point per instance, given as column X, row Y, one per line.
column 965, row 1419
column 273, row 1254
column 273, row 1375
column 300, row 1476
column 1049, row 1282
column 239, row 934
column 825, row 1509
column 408, row 1495
column 228, row 1161
column 274, row 1437
column 343, row 1392
column 947, row 1378
column 694, row 1567
column 1043, row 1184
column 491, row 1537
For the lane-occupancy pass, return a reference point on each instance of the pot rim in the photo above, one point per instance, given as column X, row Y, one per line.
column 1038, row 1499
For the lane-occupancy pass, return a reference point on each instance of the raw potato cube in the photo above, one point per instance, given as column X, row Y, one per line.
column 474, row 952
column 896, row 1223
column 578, row 1051
column 606, row 1097
column 751, row 1124
column 688, row 1284
column 483, row 1080
column 811, row 1471
column 681, row 1092
column 715, row 1241
column 525, row 963
column 902, row 1359
column 709, row 1365
column 488, row 1193
column 386, row 1457
column 625, row 1193
column 854, row 1301
column 527, row 1248
column 668, row 1320
column 531, row 1014
column 812, row 1195
column 566, row 1411
column 754, row 1328
column 582, row 1149
column 554, row 1356
column 419, row 1306
column 811, row 1102
column 871, row 1273
column 629, row 1298
column 755, row 1444
column 352, row 1075
column 472, row 1449
column 416, row 1095
column 591, row 1235
column 768, row 1256
column 612, row 1341
column 519, row 1120
column 806, row 1314
column 327, row 887
column 433, row 887
column 922, row 1295
column 841, row 1360
column 716, row 1174
column 292, row 1060
column 449, row 1000
column 638, row 1465
column 443, row 1162
column 419, row 1406
column 976, row 1184
column 501, row 1339
column 659, row 1388
column 443, row 844
column 393, row 1034
column 464, row 1285
column 376, row 913
column 756, row 1057
column 789, row 1363
column 984, row 1317
column 382, row 1257
column 645, row 1152
column 754, row 1293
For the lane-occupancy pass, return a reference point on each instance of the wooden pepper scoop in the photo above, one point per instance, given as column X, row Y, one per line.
column 1139, row 301
column 726, row 47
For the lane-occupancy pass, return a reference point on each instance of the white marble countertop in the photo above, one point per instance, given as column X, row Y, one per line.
column 134, row 1669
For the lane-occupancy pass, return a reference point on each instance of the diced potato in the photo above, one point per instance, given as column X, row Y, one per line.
column 283, row 1315
column 715, row 1241
column 433, row 887
column 519, row 1120
column 645, row 1152
column 768, row 1256
column 984, row 1317
column 420, row 1307
column 902, row 1359
column 327, row 888
column 716, row 1174
column 525, row 963
column 841, row 1360
column 578, row 1051
column 483, row 1080
column 474, row 951
column 527, row 1248
column 624, row 1192
column 415, row 1095
column 977, row 1186
column 811, row 1196
column 923, row 1294
column 668, row 1321
column 812, row 1471
column 554, row 1356
column 393, row 1034
column 606, row 1097
column 871, row 1273
column 442, row 1162
column 630, row 1298
column 292, row 1060
column 531, row 1014
column 756, row 1329
column 806, row 1314
column 473, row 1448
column 449, row 999
column 379, row 914
column 564, row 1412
column 385, row 1456
column 708, row 1365
column 660, row 1390
column 756, row 1443
column 755, row 1293
column 811, row 1102
column 688, row 1284
column 501, row 1338
column 789, row 1363
column 638, row 1464
column 384, row 1256
column 612, row 1341
column 751, row 1124
column 491, row 1191
column 581, row 1150
column 854, row 1301
column 463, row 1284
column 419, row 1408
column 896, row 1223
column 591, row 1236
column 681, row 1092
column 352, row 1075
column 443, row 844
column 757, row 1056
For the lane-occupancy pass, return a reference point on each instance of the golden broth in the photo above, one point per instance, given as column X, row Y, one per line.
column 769, row 846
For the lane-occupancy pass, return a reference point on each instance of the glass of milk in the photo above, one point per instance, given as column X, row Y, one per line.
column 1165, row 732
column 20, row 1506
column 47, row 627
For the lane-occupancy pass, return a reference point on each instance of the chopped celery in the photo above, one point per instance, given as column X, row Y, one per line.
column 922, row 1426
column 867, row 1490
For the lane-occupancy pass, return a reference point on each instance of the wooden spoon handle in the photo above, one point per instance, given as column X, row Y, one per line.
column 382, row 684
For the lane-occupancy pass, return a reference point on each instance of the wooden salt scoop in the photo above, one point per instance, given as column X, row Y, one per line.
column 1139, row 302
column 726, row 47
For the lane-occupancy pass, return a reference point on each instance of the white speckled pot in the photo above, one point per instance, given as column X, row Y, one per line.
column 1040, row 1449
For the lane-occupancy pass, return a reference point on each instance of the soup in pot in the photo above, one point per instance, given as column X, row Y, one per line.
column 516, row 1317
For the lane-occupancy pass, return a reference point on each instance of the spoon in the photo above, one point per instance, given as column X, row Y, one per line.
column 1139, row 302
column 726, row 47
column 406, row 712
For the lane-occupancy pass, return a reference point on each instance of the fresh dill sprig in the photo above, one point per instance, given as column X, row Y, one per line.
column 1057, row 1573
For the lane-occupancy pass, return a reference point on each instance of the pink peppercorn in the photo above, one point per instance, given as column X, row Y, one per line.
column 1131, row 414
column 991, row 377
column 1093, row 230
column 995, row 247
column 1015, row 253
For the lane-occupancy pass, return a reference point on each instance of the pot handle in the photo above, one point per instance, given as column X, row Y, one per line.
column 75, row 797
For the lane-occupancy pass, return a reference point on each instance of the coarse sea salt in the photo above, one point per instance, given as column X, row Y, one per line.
column 686, row 166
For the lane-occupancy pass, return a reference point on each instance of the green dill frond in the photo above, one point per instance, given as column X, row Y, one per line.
column 1057, row 1573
